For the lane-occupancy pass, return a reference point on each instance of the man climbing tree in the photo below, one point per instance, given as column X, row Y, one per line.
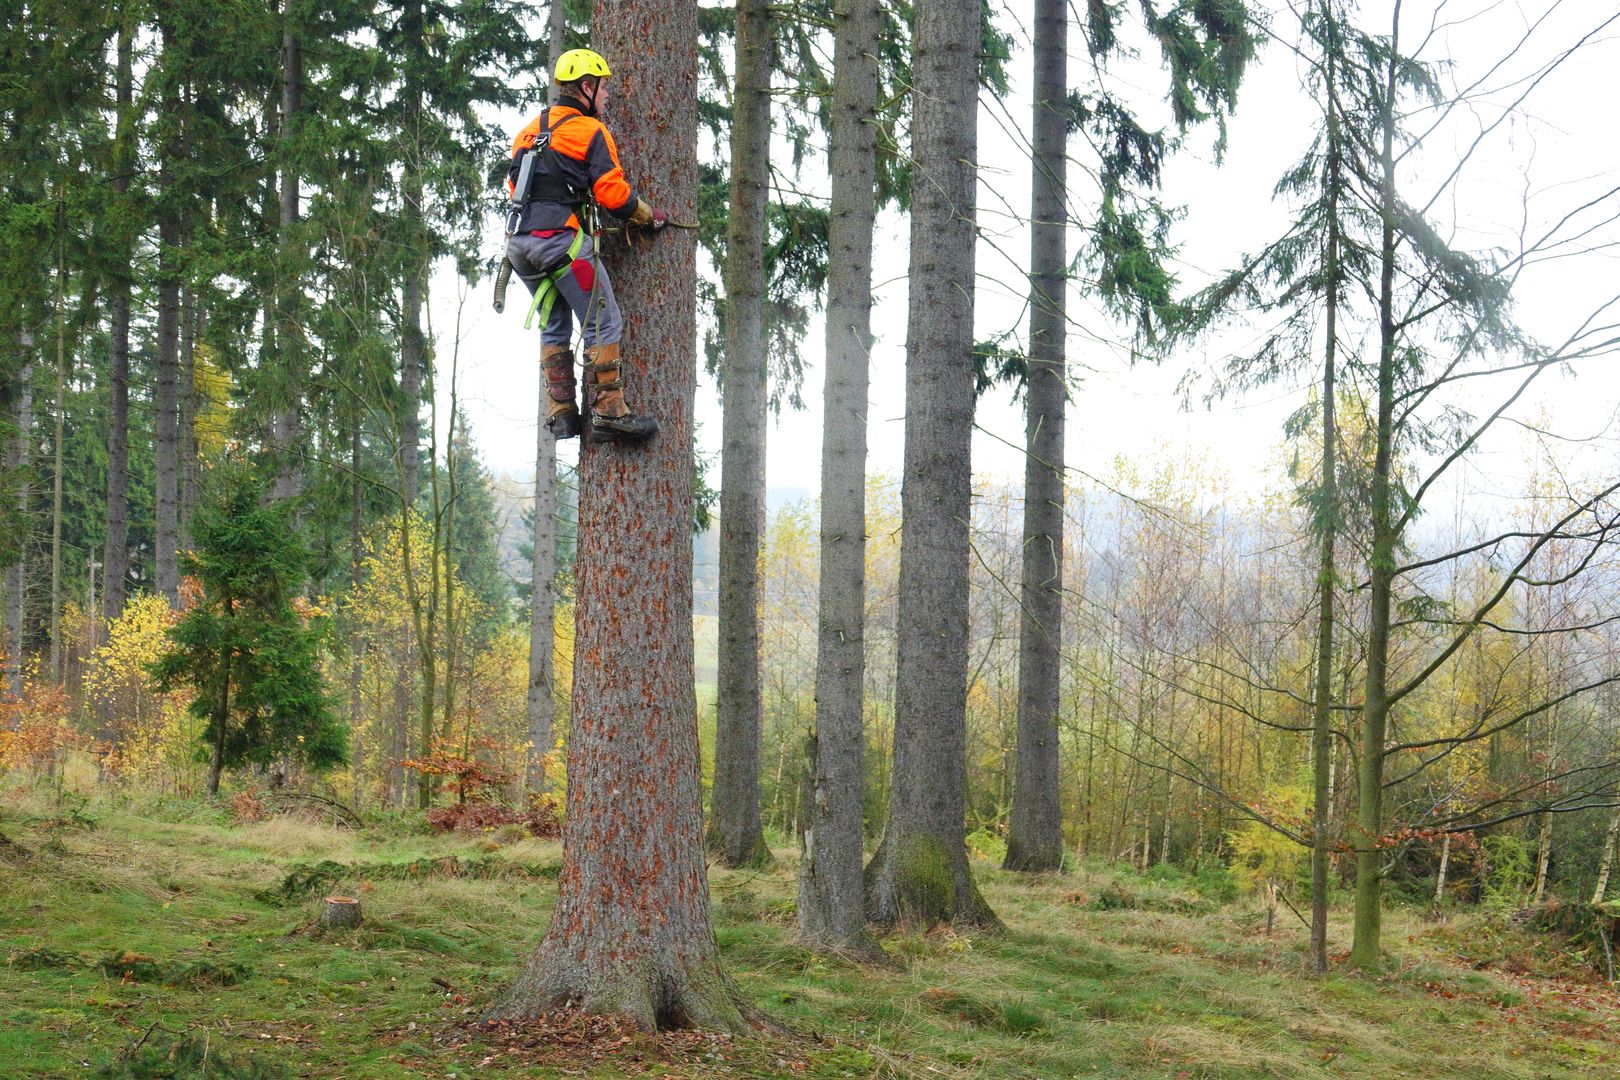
column 563, row 159
column 631, row 934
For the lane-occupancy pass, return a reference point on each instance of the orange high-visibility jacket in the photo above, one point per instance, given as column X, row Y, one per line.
column 586, row 159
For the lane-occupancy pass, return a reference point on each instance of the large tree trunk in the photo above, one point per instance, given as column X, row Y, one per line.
column 920, row 873
column 631, row 934
column 1035, row 838
column 832, row 910
column 1368, row 916
column 735, row 831
column 115, row 556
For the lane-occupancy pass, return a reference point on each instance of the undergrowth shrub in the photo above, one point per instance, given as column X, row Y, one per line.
column 247, row 807
column 135, row 967
column 304, row 880
column 987, row 844
column 543, row 821
column 1509, row 871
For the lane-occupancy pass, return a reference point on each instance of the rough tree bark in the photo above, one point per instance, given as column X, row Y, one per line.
column 832, row 910
column 542, row 704
column 631, row 934
column 920, row 872
column 115, row 554
column 1035, row 836
column 735, row 830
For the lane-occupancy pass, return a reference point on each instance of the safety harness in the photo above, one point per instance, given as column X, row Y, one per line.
column 546, row 292
column 550, row 185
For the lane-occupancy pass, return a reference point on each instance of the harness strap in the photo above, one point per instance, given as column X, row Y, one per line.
column 546, row 293
column 596, row 383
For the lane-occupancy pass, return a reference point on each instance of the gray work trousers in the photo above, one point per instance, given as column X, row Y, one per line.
column 584, row 291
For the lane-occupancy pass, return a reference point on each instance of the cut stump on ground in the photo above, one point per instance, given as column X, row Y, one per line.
column 340, row 912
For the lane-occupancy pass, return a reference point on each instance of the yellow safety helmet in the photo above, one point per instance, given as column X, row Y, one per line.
column 578, row 63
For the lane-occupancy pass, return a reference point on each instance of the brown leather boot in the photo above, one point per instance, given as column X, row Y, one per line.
column 604, row 394
column 562, row 415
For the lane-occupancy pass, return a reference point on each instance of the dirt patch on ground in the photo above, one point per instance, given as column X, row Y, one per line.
column 569, row 1041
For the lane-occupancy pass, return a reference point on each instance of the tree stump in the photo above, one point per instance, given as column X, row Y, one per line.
column 338, row 912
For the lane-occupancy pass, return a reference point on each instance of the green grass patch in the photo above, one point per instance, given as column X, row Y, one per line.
column 178, row 919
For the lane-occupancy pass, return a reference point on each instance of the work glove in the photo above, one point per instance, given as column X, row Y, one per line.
column 647, row 216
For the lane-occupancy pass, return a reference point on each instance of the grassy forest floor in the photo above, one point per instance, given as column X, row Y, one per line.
column 175, row 926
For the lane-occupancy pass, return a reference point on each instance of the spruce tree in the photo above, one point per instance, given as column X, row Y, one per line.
column 243, row 647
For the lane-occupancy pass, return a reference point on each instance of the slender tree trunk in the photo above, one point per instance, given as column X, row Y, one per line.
column 1368, row 916
column 115, row 554
column 221, row 718
column 1606, row 860
column 557, row 44
column 413, row 350
column 166, row 424
column 542, row 701
column 832, row 910
column 188, row 412
column 19, row 461
column 542, row 705
column 631, row 934
column 412, row 354
column 735, row 832
column 1035, row 838
column 357, row 642
column 1440, row 878
column 1543, row 860
column 286, row 424
column 59, row 409
column 920, row 872
column 1327, row 520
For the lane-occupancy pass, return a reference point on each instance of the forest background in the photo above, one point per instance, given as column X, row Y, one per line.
column 349, row 349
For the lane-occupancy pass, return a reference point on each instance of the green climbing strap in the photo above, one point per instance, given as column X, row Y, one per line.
column 545, row 296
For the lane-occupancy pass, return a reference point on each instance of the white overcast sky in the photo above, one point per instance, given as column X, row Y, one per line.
column 1565, row 151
